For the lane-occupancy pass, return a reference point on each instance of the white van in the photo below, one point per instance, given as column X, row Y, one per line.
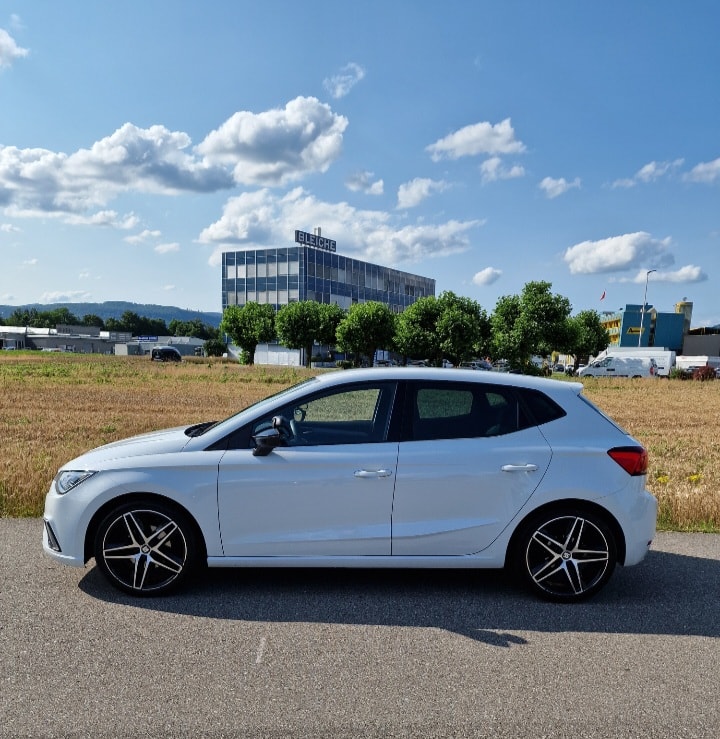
column 664, row 358
column 614, row 366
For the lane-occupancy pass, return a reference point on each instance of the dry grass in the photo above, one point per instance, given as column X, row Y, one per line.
column 679, row 424
column 54, row 406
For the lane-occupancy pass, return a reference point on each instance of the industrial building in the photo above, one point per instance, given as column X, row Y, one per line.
column 313, row 270
column 645, row 326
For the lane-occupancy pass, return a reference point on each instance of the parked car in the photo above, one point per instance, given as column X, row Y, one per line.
column 477, row 364
column 165, row 354
column 384, row 467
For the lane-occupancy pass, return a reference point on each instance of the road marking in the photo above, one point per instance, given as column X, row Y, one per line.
column 260, row 651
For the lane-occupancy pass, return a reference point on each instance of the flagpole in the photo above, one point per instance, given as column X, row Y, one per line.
column 642, row 310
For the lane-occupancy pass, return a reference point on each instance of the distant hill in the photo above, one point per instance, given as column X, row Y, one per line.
column 115, row 309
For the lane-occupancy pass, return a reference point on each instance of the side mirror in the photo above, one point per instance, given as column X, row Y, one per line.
column 266, row 441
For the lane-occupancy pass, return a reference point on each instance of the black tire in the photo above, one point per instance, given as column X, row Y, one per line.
column 146, row 548
column 565, row 555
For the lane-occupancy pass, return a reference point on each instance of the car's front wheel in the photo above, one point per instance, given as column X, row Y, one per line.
column 566, row 556
column 146, row 548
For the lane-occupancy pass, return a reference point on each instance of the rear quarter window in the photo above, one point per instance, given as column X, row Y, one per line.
column 539, row 408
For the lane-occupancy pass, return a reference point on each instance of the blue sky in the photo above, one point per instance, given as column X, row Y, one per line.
column 485, row 144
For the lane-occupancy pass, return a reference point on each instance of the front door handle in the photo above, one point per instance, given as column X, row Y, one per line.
column 373, row 473
column 519, row 468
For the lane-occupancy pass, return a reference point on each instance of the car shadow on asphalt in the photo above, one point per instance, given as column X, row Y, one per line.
column 667, row 594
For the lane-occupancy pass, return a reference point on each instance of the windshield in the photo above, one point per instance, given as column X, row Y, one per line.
column 255, row 406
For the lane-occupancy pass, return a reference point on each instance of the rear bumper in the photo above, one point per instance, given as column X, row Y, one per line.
column 640, row 528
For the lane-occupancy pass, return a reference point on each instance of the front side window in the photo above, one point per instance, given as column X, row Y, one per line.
column 349, row 415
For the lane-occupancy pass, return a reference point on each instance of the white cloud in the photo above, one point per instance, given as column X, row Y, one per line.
column 619, row 253
column 167, row 248
column 655, row 170
column 486, row 276
column 414, row 192
column 493, row 169
column 554, row 188
column 261, row 218
column 363, row 182
column 30, row 262
column 9, row 50
column 8, row 228
column 143, row 236
column 168, row 288
column 706, row 172
column 686, row 274
column 69, row 296
column 103, row 218
column 477, row 139
column 277, row 146
column 84, row 275
column 340, row 84
column 649, row 173
column 273, row 148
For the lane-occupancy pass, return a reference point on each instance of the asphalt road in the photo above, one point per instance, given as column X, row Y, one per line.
column 359, row 653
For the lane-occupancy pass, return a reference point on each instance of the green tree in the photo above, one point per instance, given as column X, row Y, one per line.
column 137, row 325
column 61, row 316
column 42, row 319
column 298, row 326
column 131, row 322
column 463, row 328
column 214, row 348
column 449, row 327
column 248, row 326
column 366, row 328
column 90, row 319
column 416, row 330
column 331, row 315
column 535, row 322
column 194, row 327
column 587, row 336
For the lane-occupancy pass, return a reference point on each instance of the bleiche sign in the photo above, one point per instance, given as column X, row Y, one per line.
column 302, row 237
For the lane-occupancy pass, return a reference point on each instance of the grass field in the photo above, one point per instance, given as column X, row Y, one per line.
column 55, row 406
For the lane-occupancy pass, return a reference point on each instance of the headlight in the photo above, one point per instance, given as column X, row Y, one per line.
column 66, row 480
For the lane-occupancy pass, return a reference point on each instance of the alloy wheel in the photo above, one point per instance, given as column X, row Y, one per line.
column 569, row 557
column 143, row 550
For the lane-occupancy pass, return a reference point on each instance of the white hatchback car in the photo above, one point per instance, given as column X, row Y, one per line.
column 390, row 467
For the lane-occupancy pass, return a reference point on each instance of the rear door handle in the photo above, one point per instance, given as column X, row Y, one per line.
column 519, row 468
column 373, row 473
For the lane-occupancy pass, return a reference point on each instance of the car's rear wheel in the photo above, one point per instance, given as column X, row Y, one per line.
column 566, row 556
column 146, row 548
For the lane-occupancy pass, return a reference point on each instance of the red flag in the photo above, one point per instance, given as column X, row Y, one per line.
column 602, row 297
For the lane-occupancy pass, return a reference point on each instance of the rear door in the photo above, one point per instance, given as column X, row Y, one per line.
column 469, row 460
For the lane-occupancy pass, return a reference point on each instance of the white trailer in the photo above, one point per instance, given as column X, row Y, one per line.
column 690, row 363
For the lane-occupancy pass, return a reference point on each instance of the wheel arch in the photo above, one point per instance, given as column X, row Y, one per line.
column 138, row 498
column 560, row 506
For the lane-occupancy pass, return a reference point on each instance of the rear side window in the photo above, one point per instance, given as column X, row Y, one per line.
column 460, row 411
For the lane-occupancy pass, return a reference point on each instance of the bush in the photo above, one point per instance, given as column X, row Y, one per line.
column 678, row 374
column 344, row 364
column 214, row 348
column 702, row 374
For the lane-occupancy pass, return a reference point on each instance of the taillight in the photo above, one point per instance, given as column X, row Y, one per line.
column 633, row 459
